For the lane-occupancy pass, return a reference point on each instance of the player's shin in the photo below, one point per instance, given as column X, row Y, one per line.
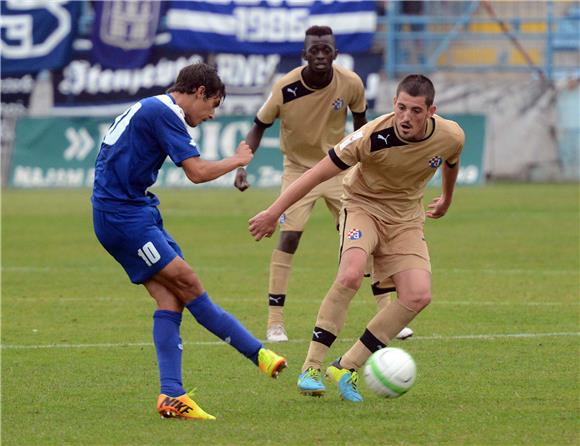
column 225, row 326
column 382, row 294
column 169, row 348
column 280, row 270
column 382, row 300
column 329, row 322
column 386, row 324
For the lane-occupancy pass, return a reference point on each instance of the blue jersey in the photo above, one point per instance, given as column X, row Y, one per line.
column 134, row 149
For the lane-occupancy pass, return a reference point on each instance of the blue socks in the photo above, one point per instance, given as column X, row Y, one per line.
column 224, row 326
column 169, row 348
column 166, row 326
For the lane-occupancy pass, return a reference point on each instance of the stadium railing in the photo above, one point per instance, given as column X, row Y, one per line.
column 480, row 36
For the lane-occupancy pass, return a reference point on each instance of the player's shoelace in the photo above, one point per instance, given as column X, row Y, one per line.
column 353, row 381
column 314, row 374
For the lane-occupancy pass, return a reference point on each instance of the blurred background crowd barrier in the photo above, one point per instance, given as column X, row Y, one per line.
column 507, row 71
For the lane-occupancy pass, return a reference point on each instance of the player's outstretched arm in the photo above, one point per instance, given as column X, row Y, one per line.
column 199, row 170
column 253, row 138
column 264, row 224
column 440, row 205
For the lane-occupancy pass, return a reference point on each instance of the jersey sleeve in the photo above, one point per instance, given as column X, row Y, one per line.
column 353, row 149
column 459, row 142
column 174, row 137
column 358, row 103
column 270, row 110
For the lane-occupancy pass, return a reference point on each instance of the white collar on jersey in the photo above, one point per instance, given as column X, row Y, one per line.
column 169, row 102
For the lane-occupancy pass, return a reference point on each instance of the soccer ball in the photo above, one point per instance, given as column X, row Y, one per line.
column 390, row 372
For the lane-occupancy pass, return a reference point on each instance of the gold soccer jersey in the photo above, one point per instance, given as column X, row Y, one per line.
column 312, row 121
column 390, row 174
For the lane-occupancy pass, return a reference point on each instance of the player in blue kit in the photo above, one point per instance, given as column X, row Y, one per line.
column 129, row 226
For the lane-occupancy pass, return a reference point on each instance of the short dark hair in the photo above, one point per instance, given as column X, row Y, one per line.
column 316, row 30
column 193, row 76
column 418, row 85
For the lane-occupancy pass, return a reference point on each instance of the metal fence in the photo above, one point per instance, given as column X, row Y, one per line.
column 480, row 36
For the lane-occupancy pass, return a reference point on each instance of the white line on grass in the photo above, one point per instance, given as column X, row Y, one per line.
column 361, row 300
column 484, row 337
column 494, row 303
column 509, row 271
column 503, row 271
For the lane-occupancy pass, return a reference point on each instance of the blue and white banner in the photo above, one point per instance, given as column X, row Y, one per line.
column 268, row 27
column 15, row 92
column 124, row 32
column 86, row 88
column 36, row 35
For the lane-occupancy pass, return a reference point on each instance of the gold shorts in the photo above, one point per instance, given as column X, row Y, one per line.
column 394, row 247
column 297, row 215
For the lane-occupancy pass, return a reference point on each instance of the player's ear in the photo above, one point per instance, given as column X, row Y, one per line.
column 304, row 54
column 200, row 91
column 432, row 110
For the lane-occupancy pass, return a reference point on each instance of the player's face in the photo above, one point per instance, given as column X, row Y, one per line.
column 198, row 108
column 411, row 114
column 319, row 52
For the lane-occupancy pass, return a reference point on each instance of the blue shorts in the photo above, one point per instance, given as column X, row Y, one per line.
column 137, row 240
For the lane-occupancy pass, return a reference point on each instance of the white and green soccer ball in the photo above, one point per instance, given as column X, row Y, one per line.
column 390, row 372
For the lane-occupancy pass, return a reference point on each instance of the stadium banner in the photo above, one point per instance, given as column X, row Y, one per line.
column 15, row 93
column 83, row 87
column 36, row 35
column 61, row 152
column 268, row 27
column 124, row 32
column 87, row 88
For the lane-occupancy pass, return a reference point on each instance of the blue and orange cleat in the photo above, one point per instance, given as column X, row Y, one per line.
column 181, row 407
column 270, row 363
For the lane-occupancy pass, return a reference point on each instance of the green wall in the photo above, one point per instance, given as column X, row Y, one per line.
column 61, row 152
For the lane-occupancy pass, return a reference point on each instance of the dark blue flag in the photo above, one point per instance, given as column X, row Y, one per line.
column 36, row 38
column 124, row 32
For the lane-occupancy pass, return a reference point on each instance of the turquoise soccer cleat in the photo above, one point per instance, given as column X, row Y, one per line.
column 310, row 383
column 346, row 380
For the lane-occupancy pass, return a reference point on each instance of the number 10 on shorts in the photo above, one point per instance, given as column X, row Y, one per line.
column 149, row 254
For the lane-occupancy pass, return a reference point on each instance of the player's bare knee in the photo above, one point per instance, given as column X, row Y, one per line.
column 416, row 300
column 350, row 278
column 187, row 286
column 424, row 300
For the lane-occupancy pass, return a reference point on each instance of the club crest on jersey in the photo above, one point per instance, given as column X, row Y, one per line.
column 354, row 234
column 282, row 219
column 338, row 104
column 435, row 162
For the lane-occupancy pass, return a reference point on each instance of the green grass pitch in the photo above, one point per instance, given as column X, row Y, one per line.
column 497, row 351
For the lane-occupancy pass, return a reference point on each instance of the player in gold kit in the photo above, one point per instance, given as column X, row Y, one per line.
column 311, row 103
column 391, row 160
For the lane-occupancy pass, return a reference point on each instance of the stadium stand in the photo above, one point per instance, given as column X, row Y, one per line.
column 482, row 37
